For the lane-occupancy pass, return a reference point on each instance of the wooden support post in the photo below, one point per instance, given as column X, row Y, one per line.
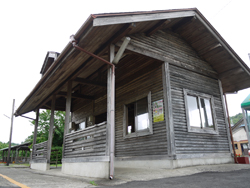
column 12, row 156
column 56, row 157
column 22, row 156
column 25, row 155
column 50, row 138
column 67, row 113
column 17, row 155
column 231, row 134
column 225, row 115
column 35, row 131
column 11, row 127
column 168, row 109
column 110, row 149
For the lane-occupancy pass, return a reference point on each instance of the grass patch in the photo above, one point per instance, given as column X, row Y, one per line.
column 58, row 165
column 16, row 165
column 93, row 183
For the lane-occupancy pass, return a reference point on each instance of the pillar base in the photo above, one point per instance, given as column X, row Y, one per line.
column 39, row 165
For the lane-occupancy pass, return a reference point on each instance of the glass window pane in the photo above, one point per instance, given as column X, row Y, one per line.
column 142, row 106
column 131, row 118
column 193, row 111
column 206, row 113
column 82, row 125
column 142, row 121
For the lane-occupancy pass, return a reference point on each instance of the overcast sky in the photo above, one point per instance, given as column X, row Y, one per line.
column 31, row 28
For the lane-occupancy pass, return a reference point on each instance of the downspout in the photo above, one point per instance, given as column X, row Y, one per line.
column 74, row 43
column 111, row 153
column 231, row 134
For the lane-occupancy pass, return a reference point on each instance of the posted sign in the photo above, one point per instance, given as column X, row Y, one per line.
column 158, row 112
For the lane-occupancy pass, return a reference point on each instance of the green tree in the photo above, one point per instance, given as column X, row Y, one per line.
column 236, row 118
column 43, row 131
column 5, row 145
column 43, row 128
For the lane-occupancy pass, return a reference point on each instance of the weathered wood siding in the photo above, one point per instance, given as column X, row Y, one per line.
column 187, row 142
column 155, row 144
column 40, row 151
column 179, row 53
column 88, row 142
column 136, row 75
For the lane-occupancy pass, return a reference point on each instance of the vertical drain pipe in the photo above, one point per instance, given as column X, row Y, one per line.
column 231, row 134
column 112, row 110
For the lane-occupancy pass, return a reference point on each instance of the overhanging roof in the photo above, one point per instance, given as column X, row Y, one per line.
column 246, row 103
column 100, row 30
column 23, row 146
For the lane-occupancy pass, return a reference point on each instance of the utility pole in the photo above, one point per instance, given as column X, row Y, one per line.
column 11, row 127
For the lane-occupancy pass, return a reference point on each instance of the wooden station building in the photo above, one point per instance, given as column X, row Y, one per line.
column 140, row 89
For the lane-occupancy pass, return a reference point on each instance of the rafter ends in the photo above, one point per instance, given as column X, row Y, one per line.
column 89, row 82
column 157, row 27
column 76, row 95
column 208, row 49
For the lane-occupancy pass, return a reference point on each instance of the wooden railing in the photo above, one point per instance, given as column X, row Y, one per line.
column 21, row 159
column 40, row 151
column 88, row 142
column 17, row 159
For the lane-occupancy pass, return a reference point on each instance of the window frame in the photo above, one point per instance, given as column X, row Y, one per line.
column 138, row 133
column 204, row 96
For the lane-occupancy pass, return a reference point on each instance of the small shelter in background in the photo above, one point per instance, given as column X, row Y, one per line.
column 140, row 89
column 245, row 105
column 240, row 137
column 19, row 153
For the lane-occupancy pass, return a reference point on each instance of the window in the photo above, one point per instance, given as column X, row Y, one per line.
column 200, row 112
column 236, row 146
column 82, row 125
column 101, row 118
column 138, row 117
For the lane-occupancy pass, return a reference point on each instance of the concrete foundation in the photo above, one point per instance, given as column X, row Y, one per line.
column 201, row 161
column 174, row 163
column 167, row 163
column 40, row 166
column 89, row 169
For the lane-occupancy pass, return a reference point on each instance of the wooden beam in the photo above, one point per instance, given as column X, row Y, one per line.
column 224, row 44
column 140, row 18
column 116, row 37
column 110, row 147
column 76, row 95
column 157, row 27
column 209, row 48
column 225, row 116
column 35, row 128
column 182, row 22
column 50, row 138
column 67, row 113
column 168, row 109
column 231, row 72
column 140, row 49
column 90, row 82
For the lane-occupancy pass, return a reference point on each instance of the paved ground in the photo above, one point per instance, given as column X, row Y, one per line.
column 28, row 178
column 234, row 175
column 232, row 179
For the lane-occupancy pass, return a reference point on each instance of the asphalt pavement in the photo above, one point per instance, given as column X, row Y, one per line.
column 224, row 175
column 232, row 179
